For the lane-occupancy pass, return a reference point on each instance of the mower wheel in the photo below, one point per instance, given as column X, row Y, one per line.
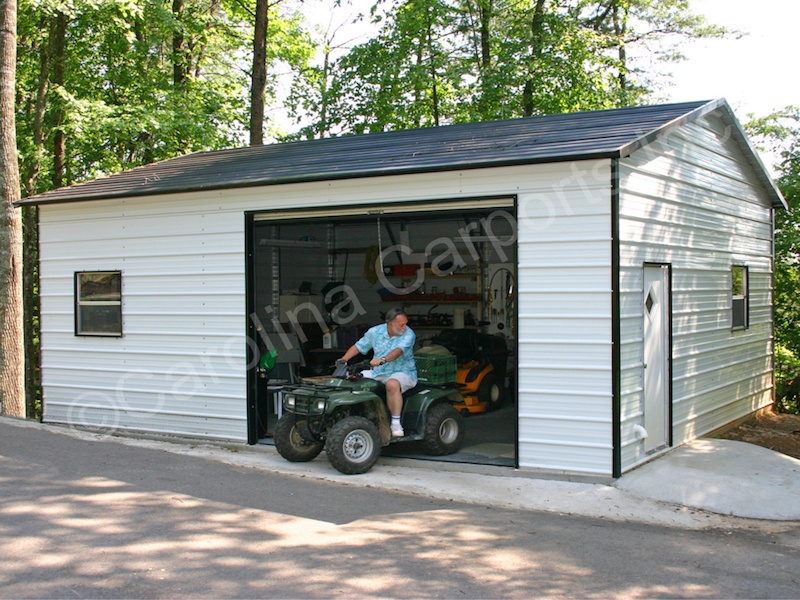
column 491, row 391
column 444, row 430
column 290, row 444
column 353, row 445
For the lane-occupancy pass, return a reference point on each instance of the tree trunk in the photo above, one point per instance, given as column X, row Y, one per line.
column 57, row 39
column 323, row 111
column 34, row 166
column 488, row 90
column 12, row 354
column 30, row 287
column 418, row 91
column 486, row 12
column 537, row 47
column 620, row 27
column 259, row 81
column 179, row 62
column 434, row 86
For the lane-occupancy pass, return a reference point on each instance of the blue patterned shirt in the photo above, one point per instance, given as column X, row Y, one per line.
column 378, row 339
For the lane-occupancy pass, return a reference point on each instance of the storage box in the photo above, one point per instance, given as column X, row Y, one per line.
column 436, row 369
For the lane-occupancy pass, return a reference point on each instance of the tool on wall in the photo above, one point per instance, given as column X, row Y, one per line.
column 371, row 260
column 336, row 298
column 500, row 299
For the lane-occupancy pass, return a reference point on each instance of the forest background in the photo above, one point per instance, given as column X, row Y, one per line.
column 106, row 85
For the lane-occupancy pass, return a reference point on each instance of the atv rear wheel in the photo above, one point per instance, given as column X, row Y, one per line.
column 491, row 391
column 289, row 442
column 444, row 430
column 353, row 445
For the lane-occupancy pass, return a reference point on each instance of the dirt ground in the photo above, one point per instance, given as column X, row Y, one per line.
column 776, row 431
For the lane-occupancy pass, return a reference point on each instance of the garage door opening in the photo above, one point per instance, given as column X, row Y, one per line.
column 317, row 280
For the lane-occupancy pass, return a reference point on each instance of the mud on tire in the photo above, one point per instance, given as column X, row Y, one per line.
column 290, row 445
column 353, row 445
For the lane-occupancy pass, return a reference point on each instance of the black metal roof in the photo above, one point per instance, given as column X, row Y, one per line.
column 572, row 136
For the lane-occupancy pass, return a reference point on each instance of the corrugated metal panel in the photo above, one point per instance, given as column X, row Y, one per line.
column 693, row 200
column 183, row 313
column 180, row 366
column 565, row 322
column 586, row 135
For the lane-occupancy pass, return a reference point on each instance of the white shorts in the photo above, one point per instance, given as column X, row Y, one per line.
column 404, row 379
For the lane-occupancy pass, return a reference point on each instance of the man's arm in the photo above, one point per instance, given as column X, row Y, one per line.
column 378, row 361
column 394, row 354
column 351, row 352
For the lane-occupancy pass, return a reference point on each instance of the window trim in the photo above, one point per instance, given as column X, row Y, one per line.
column 743, row 298
column 78, row 304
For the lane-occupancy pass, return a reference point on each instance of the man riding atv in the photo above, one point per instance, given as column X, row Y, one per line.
column 348, row 415
column 393, row 364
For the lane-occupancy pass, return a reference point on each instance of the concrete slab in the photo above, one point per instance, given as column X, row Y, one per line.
column 722, row 476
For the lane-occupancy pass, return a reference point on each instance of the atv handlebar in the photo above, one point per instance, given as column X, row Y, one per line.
column 343, row 369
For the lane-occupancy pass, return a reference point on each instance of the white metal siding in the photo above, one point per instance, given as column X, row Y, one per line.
column 565, row 392
column 180, row 367
column 183, row 313
column 691, row 200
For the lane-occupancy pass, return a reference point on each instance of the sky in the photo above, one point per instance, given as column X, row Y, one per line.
column 756, row 74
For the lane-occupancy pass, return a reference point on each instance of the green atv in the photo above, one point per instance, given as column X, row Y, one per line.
column 348, row 417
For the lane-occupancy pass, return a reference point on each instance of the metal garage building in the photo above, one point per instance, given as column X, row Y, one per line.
column 641, row 248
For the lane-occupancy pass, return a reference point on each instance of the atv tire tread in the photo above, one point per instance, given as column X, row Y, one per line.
column 338, row 437
column 438, row 415
column 289, row 443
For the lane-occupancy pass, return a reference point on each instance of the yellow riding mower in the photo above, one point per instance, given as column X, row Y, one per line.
column 482, row 363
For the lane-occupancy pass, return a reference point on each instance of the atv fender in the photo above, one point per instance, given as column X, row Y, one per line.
column 416, row 407
column 376, row 411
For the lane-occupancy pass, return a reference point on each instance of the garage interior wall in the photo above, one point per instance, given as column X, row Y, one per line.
column 690, row 200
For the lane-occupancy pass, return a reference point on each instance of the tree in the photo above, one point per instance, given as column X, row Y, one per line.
column 445, row 61
column 259, row 75
column 277, row 37
column 780, row 131
column 141, row 80
column 12, row 356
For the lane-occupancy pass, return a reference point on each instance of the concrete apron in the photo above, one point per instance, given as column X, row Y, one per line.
column 680, row 489
column 722, row 476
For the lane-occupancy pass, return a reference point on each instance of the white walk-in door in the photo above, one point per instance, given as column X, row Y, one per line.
column 656, row 355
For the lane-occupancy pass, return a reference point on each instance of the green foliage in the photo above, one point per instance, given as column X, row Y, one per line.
column 781, row 133
column 446, row 61
column 787, row 381
column 123, row 104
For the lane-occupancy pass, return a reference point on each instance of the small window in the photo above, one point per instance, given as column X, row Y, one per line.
column 98, row 303
column 740, row 309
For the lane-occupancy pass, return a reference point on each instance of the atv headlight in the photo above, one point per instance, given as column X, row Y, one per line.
column 289, row 400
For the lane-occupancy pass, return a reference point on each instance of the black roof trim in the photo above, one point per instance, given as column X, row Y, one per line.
column 551, row 138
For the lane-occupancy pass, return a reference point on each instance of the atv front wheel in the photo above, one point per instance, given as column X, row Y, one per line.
column 289, row 442
column 353, row 445
column 444, row 430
